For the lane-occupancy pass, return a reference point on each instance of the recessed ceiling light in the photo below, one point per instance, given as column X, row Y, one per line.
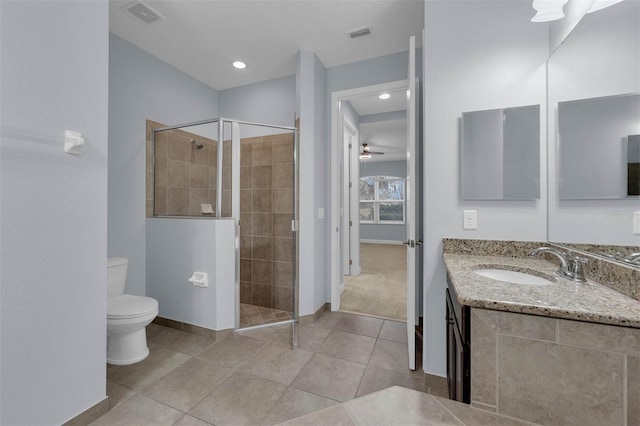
column 384, row 96
column 239, row 65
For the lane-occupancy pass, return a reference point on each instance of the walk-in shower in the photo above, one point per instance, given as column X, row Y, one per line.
column 222, row 169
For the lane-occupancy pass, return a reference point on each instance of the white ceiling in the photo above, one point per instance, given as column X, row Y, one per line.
column 203, row 37
column 372, row 104
column 389, row 136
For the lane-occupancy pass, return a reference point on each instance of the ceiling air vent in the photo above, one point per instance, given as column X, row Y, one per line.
column 359, row 32
column 142, row 12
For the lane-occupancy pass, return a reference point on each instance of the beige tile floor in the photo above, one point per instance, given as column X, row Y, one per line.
column 381, row 287
column 401, row 406
column 256, row 377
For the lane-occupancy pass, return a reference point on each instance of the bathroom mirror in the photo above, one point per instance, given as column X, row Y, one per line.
column 597, row 67
column 603, row 133
column 500, row 154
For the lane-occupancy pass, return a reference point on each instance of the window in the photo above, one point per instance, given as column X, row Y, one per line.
column 381, row 199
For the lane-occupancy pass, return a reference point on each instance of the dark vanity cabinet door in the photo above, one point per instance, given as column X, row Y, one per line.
column 458, row 350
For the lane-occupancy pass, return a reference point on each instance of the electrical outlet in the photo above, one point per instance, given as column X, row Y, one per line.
column 469, row 219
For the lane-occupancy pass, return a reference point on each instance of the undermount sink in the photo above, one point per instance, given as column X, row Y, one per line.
column 513, row 277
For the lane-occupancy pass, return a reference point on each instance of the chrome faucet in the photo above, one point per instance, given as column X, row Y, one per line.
column 633, row 258
column 570, row 266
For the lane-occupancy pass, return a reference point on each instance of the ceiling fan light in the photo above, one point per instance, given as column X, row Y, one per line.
column 365, row 156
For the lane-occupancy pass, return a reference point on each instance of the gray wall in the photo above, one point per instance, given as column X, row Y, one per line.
column 54, row 58
column 381, row 232
column 269, row 102
column 142, row 87
column 378, row 70
column 347, row 111
column 321, row 188
column 313, row 193
column 491, row 58
column 176, row 248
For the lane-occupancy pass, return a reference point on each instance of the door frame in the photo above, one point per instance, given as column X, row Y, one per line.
column 336, row 273
column 350, row 220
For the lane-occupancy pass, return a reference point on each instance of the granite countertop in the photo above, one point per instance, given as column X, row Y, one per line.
column 566, row 299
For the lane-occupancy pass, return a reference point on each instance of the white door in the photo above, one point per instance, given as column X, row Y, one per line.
column 346, row 200
column 350, row 202
column 412, row 205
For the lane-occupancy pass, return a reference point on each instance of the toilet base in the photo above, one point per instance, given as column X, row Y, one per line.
column 125, row 349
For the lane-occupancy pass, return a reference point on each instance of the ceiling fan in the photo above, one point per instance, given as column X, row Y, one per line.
column 366, row 151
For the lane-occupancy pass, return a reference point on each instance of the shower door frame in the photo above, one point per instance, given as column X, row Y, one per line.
column 235, row 210
column 235, row 204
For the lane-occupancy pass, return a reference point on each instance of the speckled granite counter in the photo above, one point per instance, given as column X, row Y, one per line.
column 566, row 299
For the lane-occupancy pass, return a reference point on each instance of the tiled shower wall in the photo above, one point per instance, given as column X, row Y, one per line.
column 185, row 176
column 266, row 211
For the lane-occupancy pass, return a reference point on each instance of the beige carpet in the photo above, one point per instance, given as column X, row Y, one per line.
column 381, row 288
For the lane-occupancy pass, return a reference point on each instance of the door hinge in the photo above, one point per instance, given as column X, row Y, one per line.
column 350, row 223
column 294, row 225
column 349, row 146
column 350, row 262
column 350, row 184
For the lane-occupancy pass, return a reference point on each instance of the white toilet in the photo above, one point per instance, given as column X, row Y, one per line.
column 127, row 317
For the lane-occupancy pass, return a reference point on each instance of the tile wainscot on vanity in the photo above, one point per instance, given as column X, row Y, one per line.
column 559, row 353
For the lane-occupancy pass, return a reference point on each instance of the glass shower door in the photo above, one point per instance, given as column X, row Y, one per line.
column 266, row 287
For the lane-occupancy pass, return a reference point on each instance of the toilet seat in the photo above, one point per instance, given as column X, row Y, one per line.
column 128, row 306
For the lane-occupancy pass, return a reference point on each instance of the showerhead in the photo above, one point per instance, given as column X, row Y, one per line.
column 196, row 144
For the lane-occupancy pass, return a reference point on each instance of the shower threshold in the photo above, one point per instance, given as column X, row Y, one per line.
column 251, row 315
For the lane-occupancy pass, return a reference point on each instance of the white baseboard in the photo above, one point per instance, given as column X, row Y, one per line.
column 381, row 242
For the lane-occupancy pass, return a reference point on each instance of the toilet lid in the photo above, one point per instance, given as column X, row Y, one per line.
column 128, row 306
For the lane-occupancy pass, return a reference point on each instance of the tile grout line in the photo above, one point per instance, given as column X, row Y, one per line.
column 447, row 410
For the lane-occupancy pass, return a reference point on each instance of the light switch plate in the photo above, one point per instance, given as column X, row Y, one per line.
column 469, row 219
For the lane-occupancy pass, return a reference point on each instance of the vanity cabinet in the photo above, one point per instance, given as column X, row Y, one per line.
column 458, row 349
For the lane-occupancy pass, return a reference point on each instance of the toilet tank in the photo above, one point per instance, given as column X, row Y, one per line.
column 116, row 276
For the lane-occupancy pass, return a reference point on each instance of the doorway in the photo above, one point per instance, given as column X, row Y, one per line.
column 381, row 288
column 411, row 204
column 372, row 279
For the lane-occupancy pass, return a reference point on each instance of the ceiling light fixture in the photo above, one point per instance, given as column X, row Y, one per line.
column 601, row 4
column 365, row 156
column 384, row 96
column 548, row 10
column 239, row 65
